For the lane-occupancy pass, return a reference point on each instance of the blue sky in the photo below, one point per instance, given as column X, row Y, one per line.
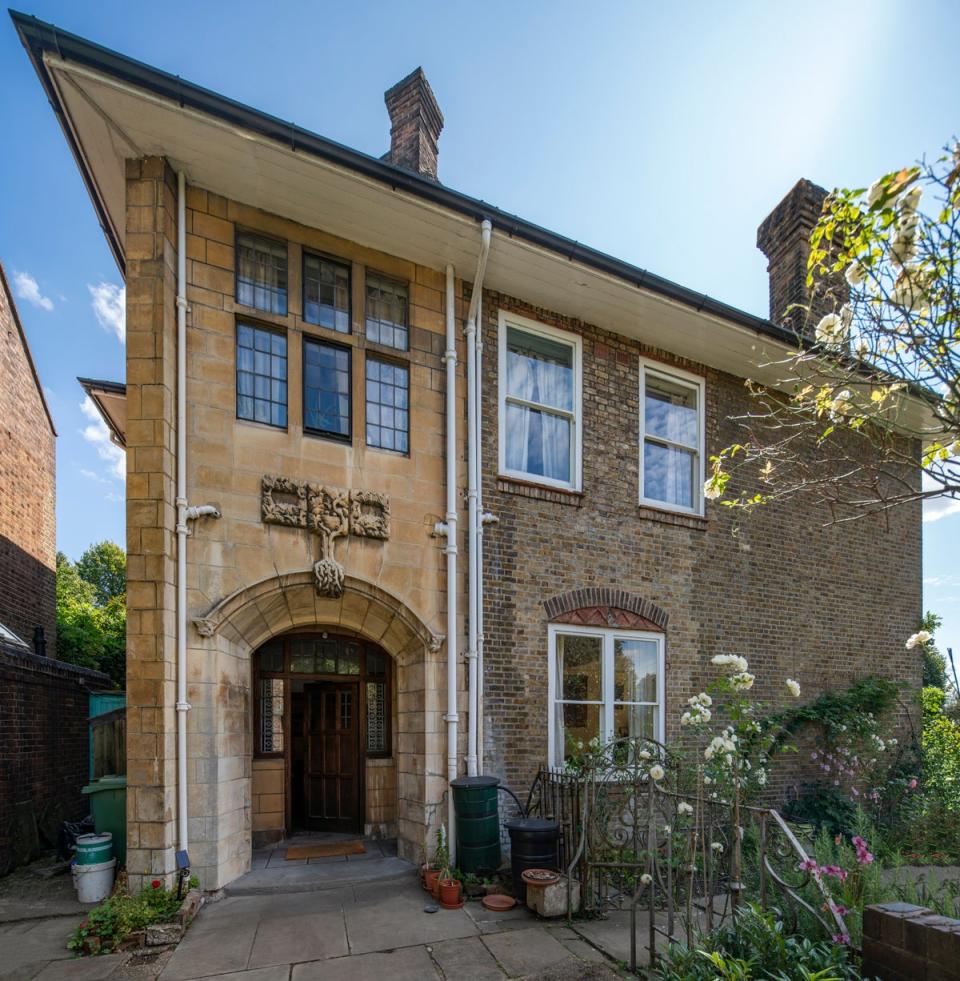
column 661, row 133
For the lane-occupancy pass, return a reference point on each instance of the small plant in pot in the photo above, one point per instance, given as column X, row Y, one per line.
column 440, row 864
column 450, row 890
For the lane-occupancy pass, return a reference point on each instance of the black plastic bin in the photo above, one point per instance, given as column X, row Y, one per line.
column 533, row 845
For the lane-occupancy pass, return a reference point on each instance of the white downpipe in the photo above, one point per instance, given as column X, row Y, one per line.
column 183, row 706
column 452, row 719
column 473, row 482
column 478, row 560
column 185, row 513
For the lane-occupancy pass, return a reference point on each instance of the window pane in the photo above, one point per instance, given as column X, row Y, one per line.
column 348, row 661
column 376, row 716
column 538, row 443
column 579, row 668
column 302, row 657
column 261, row 391
column 326, row 293
column 262, row 273
column 635, row 720
column 576, row 725
column 270, row 656
column 671, row 411
column 669, row 474
column 387, row 386
column 386, row 313
column 271, row 715
column 634, row 670
column 326, row 395
column 539, row 369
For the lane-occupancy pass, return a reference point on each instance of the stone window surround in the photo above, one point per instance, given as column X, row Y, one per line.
column 293, row 323
column 690, row 380
column 506, row 319
column 609, row 635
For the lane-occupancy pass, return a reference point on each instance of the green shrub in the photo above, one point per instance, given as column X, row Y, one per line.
column 756, row 947
column 823, row 806
column 122, row 914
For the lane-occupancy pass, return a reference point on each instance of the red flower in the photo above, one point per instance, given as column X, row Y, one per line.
column 156, row 883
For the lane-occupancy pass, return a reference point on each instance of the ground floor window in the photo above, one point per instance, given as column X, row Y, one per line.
column 605, row 684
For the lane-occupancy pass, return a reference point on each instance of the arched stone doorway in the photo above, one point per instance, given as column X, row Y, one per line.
column 324, row 715
column 224, row 778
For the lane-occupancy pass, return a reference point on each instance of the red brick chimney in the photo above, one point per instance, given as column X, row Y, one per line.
column 784, row 238
column 415, row 124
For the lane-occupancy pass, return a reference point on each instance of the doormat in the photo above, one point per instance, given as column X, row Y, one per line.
column 325, row 851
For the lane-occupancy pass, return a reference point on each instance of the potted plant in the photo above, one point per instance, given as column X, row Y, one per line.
column 449, row 889
column 440, row 863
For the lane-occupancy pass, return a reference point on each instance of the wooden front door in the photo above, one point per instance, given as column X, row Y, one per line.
column 332, row 764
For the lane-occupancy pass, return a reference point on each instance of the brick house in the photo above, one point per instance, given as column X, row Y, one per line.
column 43, row 702
column 434, row 528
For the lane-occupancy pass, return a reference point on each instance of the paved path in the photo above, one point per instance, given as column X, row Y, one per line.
column 365, row 932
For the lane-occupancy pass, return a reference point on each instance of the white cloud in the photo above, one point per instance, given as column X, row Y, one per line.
column 98, row 436
column 110, row 306
column 28, row 289
column 935, row 508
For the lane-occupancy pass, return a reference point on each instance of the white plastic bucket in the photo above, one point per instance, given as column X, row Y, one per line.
column 94, row 882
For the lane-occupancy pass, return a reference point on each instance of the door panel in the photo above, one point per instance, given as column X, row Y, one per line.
column 332, row 774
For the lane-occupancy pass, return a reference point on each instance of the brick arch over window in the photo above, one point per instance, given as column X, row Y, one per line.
column 604, row 606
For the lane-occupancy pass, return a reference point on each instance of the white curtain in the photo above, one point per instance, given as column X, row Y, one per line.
column 538, row 442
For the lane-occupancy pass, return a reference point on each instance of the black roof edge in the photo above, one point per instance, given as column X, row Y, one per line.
column 39, row 37
column 114, row 388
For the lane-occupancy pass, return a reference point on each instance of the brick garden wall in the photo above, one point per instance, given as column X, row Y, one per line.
column 44, row 759
column 902, row 942
column 27, row 489
column 820, row 604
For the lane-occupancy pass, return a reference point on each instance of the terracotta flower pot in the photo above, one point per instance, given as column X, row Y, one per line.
column 450, row 894
column 430, row 879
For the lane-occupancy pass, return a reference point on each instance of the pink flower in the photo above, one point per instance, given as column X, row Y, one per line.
column 854, row 791
column 156, row 883
column 813, row 755
column 858, row 842
column 841, row 938
column 913, row 784
column 808, row 865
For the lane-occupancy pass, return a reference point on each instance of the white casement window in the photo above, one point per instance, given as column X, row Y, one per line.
column 602, row 683
column 671, row 438
column 540, row 409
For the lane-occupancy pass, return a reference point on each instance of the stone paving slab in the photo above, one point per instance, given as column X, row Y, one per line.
column 315, row 936
column 407, row 964
column 82, row 968
column 466, row 958
column 523, row 952
column 28, row 946
column 213, row 946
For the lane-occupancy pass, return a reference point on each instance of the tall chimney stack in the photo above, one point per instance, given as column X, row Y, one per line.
column 415, row 124
column 784, row 238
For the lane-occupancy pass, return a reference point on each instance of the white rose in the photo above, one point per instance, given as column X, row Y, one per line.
column 657, row 772
column 684, row 808
column 911, row 199
column 705, row 699
column 793, row 686
column 646, row 878
column 717, row 847
column 920, row 637
column 711, row 489
column 875, row 192
column 854, row 274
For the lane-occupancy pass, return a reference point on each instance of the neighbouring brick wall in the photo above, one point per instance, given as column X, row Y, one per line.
column 902, row 942
column 27, row 489
column 44, row 749
column 821, row 604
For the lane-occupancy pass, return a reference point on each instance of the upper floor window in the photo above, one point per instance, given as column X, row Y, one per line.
column 261, row 375
column 602, row 684
column 262, row 273
column 539, row 403
column 326, row 293
column 388, row 413
column 387, row 303
column 326, row 389
column 671, row 438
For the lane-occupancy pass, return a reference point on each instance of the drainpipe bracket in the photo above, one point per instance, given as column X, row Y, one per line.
column 183, row 706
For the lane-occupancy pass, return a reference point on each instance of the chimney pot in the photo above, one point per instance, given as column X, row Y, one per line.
column 415, row 124
column 784, row 238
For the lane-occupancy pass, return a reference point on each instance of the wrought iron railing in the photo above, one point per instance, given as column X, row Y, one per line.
column 680, row 862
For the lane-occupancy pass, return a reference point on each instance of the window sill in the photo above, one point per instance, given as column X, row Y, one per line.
column 539, row 492
column 697, row 522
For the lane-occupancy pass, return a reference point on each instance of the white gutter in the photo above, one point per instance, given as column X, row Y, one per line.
column 184, row 514
column 473, row 510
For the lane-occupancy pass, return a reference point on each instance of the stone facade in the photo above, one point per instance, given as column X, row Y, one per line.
column 28, row 547
column 795, row 596
column 791, row 593
column 251, row 579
